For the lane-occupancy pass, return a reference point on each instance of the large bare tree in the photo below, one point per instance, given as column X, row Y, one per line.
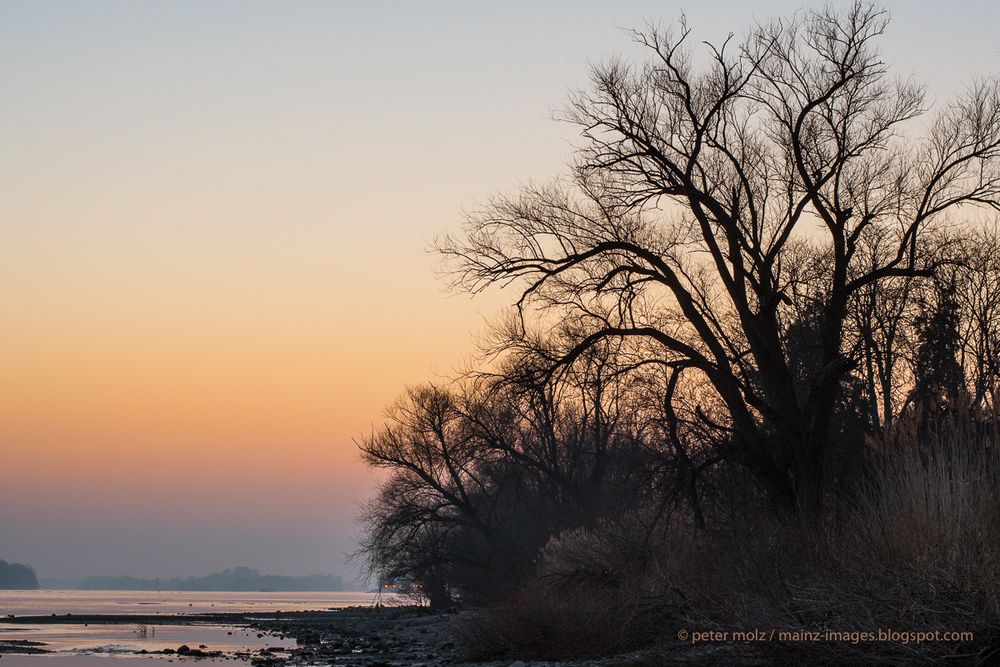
column 720, row 189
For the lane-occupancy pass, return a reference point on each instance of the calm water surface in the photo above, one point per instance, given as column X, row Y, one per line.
column 88, row 646
column 45, row 602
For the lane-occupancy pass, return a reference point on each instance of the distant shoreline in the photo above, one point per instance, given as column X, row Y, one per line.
column 177, row 590
column 208, row 618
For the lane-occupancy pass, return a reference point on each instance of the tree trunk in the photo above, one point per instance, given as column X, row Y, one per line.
column 810, row 455
column 764, row 457
column 437, row 592
column 790, row 469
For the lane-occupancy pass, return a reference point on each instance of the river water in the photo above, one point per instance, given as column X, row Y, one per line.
column 78, row 645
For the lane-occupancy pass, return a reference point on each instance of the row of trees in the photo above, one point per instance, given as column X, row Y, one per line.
column 485, row 471
column 240, row 578
column 17, row 576
column 763, row 254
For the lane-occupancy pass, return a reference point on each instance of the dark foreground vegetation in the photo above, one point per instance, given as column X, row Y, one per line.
column 749, row 379
column 17, row 576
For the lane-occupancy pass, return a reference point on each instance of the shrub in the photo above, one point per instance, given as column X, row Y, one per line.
column 919, row 550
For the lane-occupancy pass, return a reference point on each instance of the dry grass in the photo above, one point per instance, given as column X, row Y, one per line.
column 919, row 551
column 545, row 623
column 590, row 599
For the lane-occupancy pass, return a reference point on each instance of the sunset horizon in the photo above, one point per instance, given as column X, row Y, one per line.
column 263, row 268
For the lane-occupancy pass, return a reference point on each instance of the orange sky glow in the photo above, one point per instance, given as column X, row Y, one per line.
column 214, row 269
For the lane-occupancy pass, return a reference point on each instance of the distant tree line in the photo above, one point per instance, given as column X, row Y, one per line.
column 766, row 262
column 15, row 576
column 230, row 579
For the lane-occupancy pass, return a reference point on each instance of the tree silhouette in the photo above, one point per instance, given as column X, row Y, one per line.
column 710, row 203
column 17, row 576
column 939, row 377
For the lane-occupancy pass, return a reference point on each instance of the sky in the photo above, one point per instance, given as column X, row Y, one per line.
column 215, row 220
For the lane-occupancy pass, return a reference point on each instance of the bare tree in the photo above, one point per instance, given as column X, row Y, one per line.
column 878, row 315
column 437, row 489
column 484, row 473
column 572, row 429
column 701, row 195
column 979, row 300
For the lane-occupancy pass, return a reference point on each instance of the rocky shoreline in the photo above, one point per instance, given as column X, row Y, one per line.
column 362, row 637
column 368, row 636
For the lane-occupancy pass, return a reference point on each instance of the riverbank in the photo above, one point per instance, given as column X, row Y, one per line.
column 362, row 636
column 352, row 636
column 355, row 636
